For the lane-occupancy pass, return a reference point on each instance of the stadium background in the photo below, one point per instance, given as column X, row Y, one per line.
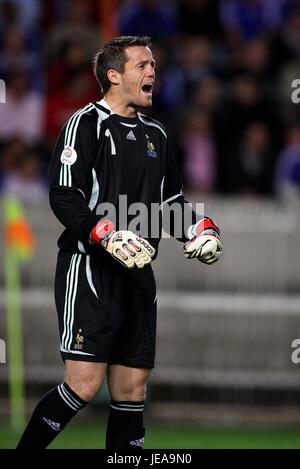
column 224, row 374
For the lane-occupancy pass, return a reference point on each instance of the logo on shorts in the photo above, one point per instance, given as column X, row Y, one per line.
column 79, row 340
column 68, row 156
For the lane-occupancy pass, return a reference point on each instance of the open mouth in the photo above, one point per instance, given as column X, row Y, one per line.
column 147, row 89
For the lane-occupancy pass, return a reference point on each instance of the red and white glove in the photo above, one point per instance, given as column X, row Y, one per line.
column 204, row 244
column 126, row 247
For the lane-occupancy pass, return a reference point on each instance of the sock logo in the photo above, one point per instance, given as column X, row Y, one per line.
column 139, row 442
column 54, row 425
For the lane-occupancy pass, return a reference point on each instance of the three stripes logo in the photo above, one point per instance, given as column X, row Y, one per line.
column 131, row 136
column 69, row 155
column 71, row 291
column 70, row 400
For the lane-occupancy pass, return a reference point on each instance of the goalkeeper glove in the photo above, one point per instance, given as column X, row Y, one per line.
column 126, row 247
column 204, row 242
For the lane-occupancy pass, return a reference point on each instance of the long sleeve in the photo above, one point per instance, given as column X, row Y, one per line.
column 70, row 171
column 178, row 214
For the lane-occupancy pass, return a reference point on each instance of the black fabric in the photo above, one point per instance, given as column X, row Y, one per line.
column 111, row 311
column 49, row 418
column 95, row 161
column 125, row 428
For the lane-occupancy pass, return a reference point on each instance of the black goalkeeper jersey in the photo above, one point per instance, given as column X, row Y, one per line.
column 100, row 156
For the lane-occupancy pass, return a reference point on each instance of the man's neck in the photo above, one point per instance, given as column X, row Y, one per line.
column 118, row 107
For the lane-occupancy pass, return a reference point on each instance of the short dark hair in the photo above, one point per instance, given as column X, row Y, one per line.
column 112, row 55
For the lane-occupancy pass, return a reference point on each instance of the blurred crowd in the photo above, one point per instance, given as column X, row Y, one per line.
column 223, row 89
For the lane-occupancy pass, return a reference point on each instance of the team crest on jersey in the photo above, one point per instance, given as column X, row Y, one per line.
column 79, row 340
column 151, row 148
column 68, row 156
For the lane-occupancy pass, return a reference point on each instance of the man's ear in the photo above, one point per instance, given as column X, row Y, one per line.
column 113, row 76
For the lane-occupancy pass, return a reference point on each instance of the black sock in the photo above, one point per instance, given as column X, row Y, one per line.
column 51, row 415
column 125, row 425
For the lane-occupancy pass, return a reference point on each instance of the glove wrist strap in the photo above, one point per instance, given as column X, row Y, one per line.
column 204, row 226
column 101, row 232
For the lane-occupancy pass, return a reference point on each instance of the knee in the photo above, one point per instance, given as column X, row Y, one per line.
column 86, row 389
column 85, row 378
column 128, row 392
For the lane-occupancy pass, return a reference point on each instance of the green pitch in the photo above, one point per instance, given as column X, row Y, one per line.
column 88, row 435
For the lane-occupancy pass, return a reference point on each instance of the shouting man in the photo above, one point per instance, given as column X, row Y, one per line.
column 104, row 286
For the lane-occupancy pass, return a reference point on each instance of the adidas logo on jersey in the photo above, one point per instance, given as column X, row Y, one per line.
column 131, row 136
column 54, row 425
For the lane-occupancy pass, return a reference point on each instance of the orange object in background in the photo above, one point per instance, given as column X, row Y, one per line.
column 18, row 235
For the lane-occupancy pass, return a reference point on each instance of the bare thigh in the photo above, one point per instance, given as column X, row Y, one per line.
column 85, row 378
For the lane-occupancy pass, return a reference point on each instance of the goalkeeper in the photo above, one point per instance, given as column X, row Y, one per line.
column 104, row 285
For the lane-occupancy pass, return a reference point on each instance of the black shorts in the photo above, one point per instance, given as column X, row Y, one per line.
column 106, row 313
